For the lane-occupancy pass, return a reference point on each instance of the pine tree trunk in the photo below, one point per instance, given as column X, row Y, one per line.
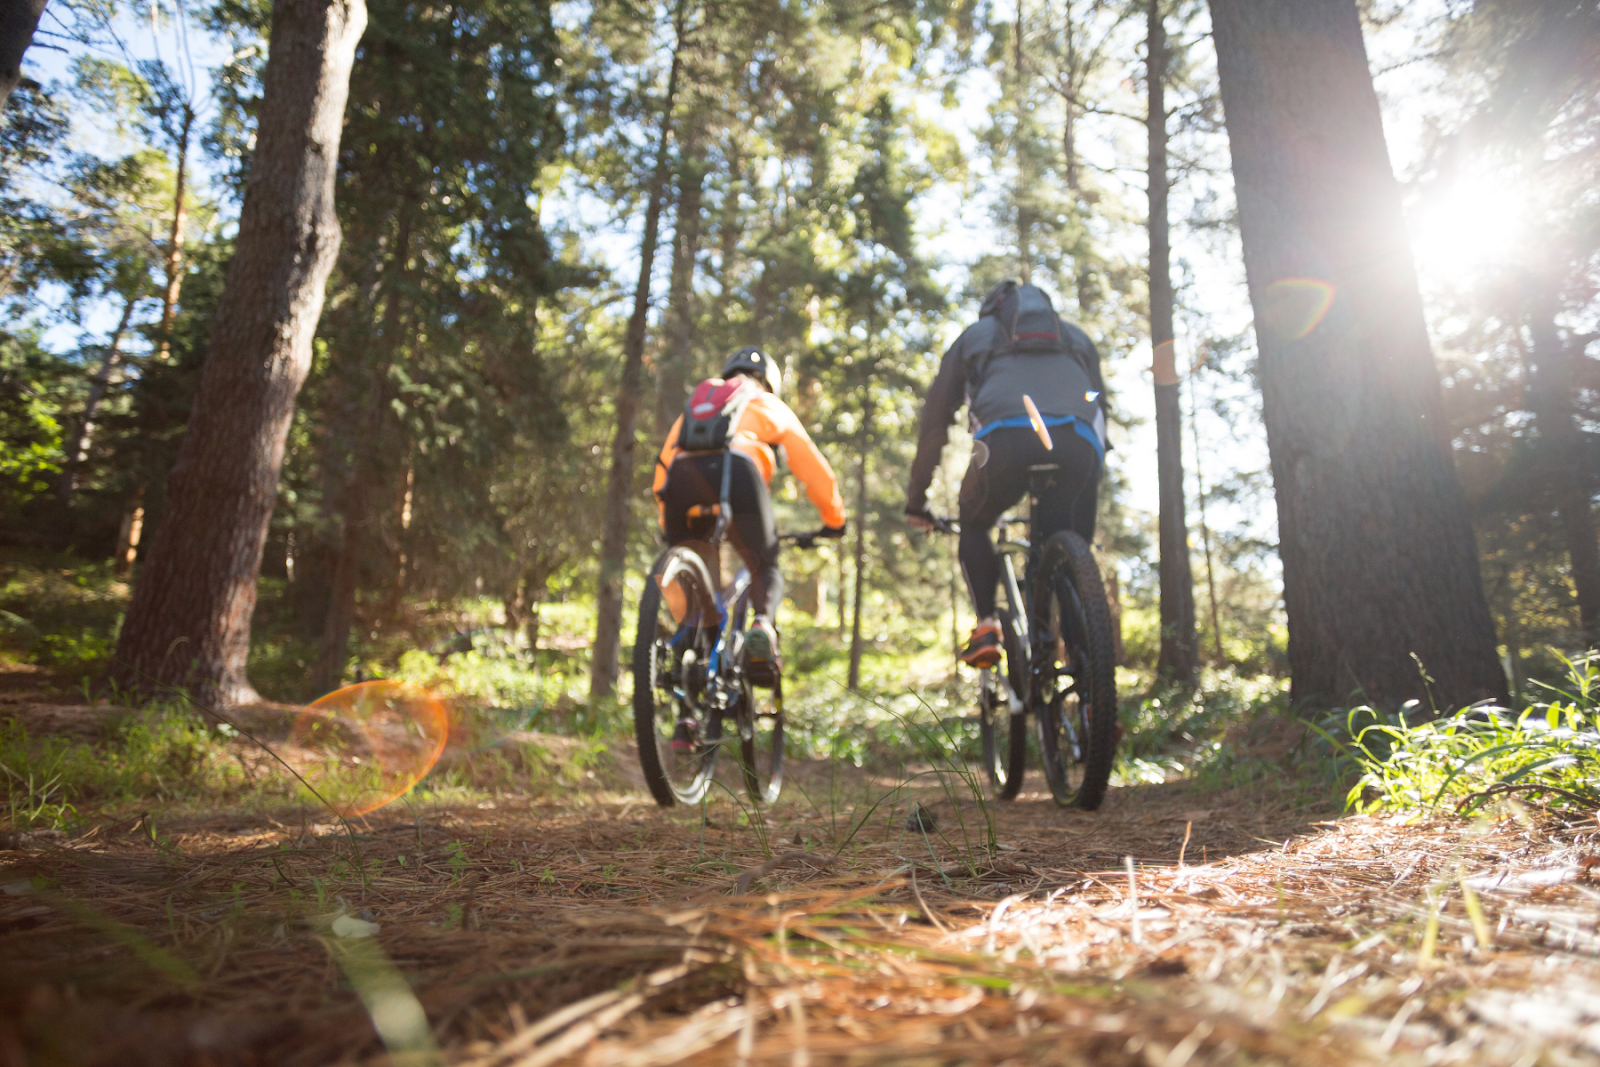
column 1220, row 658
column 83, row 427
column 189, row 620
column 174, row 258
column 678, row 359
column 1551, row 389
column 372, row 446
column 856, row 647
column 1178, row 662
column 1379, row 560
column 619, row 486
column 18, row 20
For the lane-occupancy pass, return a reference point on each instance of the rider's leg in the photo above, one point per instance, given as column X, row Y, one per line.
column 755, row 536
column 991, row 485
column 1067, row 500
column 693, row 482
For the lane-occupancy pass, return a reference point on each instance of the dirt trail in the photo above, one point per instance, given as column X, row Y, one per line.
column 594, row 928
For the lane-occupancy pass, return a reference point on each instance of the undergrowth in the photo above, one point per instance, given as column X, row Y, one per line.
column 163, row 755
column 1549, row 753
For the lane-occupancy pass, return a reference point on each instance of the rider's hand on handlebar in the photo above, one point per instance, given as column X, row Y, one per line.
column 921, row 519
column 832, row 533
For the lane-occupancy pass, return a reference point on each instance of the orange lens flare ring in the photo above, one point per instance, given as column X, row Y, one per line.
column 1293, row 307
column 1037, row 420
column 371, row 743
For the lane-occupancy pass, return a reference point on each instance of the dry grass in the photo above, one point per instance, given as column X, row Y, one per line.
column 599, row 930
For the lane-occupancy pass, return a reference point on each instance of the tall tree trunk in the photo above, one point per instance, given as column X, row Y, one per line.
column 334, row 647
column 839, row 560
column 180, row 213
column 619, row 486
column 676, row 361
column 189, row 620
column 18, row 20
column 1220, row 659
column 1024, row 217
column 1179, row 660
column 1550, row 394
column 856, row 647
column 1083, row 278
column 1379, row 560
column 83, row 426
column 372, row 446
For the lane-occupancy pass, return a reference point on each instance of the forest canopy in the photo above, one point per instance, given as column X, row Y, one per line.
column 553, row 219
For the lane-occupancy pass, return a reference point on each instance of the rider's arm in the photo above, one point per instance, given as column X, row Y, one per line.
column 777, row 425
column 944, row 399
column 669, row 452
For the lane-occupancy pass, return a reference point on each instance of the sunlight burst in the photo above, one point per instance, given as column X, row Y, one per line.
column 1465, row 226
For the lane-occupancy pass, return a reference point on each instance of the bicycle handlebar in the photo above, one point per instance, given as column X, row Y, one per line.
column 806, row 540
column 949, row 524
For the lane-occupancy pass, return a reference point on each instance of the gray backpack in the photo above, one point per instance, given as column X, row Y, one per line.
column 1032, row 355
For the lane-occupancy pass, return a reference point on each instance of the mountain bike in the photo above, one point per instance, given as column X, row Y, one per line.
column 690, row 682
column 1057, row 651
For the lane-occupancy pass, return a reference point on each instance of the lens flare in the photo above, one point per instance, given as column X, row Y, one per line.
column 1293, row 307
column 375, row 740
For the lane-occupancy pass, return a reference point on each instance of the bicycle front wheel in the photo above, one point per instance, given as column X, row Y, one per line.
column 678, row 728
column 761, row 741
column 1074, row 685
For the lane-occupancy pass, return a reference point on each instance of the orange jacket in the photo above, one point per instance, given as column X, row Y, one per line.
column 765, row 423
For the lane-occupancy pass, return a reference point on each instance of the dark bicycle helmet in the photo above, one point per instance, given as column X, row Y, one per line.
column 757, row 364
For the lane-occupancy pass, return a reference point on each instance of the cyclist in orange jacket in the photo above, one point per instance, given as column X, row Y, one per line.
column 738, row 419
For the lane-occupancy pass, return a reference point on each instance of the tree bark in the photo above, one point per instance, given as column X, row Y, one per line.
column 1550, row 393
column 83, row 426
column 1379, row 560
column 677, row 360
column 1178, row 662
column 18, row 20
column 188, row 624
column 371, row 447
column 174, row 258
column 1220, row 658
column 619, row 486
column 1024, row 218
column 856, row 647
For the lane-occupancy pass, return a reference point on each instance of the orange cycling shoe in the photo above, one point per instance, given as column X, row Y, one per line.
column 983, row 647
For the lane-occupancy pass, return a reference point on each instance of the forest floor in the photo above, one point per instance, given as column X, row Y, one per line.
column 582, row 924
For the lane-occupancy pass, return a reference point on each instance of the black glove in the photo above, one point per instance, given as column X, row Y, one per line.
column 832, row 533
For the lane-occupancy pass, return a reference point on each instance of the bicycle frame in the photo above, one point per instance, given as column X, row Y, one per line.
column 732, row 601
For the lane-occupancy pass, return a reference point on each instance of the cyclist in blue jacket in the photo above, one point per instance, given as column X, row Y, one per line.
column 1018, row 347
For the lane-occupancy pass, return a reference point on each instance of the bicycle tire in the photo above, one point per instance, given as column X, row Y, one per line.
column 761, row 749
column 1077, row 723
column 664, row 688
column 1004, row 735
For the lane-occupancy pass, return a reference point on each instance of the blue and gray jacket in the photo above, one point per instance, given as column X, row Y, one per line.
column 989, row 371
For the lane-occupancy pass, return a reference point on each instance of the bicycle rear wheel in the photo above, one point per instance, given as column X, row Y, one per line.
column 1074, row 685
column 1005, row 741
column 761, row 741
column 678, row 729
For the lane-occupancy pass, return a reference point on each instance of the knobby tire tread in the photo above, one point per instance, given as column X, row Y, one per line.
column 1016, row 675
column 1102, row 741
column 644, row 709
column 1068, row 559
